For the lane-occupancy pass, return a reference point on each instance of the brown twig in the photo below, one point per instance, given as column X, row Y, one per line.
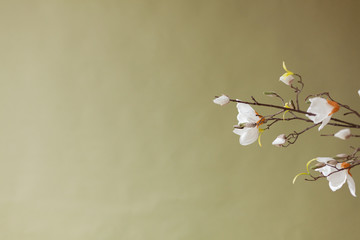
column 270, row 105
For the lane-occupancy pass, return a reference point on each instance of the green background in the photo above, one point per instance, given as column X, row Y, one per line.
column 108, row 130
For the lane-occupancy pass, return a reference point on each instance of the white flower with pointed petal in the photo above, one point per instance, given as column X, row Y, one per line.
column 335, row 177
column 248, row 117
column 279, row 141
column 343, row 134
column 287, row 77
column 323, row 110
column 222, row 100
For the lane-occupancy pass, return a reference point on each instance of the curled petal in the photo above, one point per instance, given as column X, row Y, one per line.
column 324, row 122
column 351, row 185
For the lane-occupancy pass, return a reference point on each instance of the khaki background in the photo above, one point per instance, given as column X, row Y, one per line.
column 108, row 130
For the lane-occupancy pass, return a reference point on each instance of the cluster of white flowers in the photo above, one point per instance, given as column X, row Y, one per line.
column 336, row 173
column 319, row 112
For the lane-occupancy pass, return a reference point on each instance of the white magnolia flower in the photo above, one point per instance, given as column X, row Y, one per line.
column 343, row 134
column 222, row 100
column 287, row 77
column 279, row 141
column 323, row 110
column 359, row 92
column 335, row 177
column 251, row 122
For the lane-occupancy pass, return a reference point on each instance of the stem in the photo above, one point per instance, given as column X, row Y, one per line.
column 272, row 106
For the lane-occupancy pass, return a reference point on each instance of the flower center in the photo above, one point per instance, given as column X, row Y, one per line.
column 261, row 121
column 335, row 106
column 346, row 165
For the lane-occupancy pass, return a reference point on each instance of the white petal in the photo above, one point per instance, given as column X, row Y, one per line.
column 359, row 92
column 320, row 107
column 222, row 100
column 249, row 136
column 287, row 80
column 323, row 159
column 351, row 184
column 239, row 131
column 337, row 180
column 246, row 113
column 326, row 170
column 343, row 134
column 324, row 122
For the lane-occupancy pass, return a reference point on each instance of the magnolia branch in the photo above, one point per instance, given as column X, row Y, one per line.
column 319, row 107
column 271, row 106
column 352, row 159
column 348, row 124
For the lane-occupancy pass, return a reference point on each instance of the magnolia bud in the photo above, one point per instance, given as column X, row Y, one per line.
column 250, row 125
column 279, row 141
column 343, row 134
column 319, row 165
column 245, row 125
column 332, row 162
column 222, row 100
column 287, row 79
column 292, row 105
column 271, row 94
column 342, row 155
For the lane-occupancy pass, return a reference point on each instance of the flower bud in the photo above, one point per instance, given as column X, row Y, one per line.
column 359, row 92
column 319, row 165
column 279, row 141
column 343, row 134
column 332, row 162
column 292, row 105
column 245, row 125
column 222, row 100
column 342, row 155
column 287, row 79
column 270, row 94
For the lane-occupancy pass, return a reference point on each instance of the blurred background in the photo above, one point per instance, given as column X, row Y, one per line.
column 109, row 130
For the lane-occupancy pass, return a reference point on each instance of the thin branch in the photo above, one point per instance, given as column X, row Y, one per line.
column 298, row 90
column 271, row 106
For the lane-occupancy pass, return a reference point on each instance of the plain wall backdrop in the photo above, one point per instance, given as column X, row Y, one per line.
column 108, row 130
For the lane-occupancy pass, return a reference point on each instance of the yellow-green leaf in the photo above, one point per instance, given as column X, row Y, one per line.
column 298, row 176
